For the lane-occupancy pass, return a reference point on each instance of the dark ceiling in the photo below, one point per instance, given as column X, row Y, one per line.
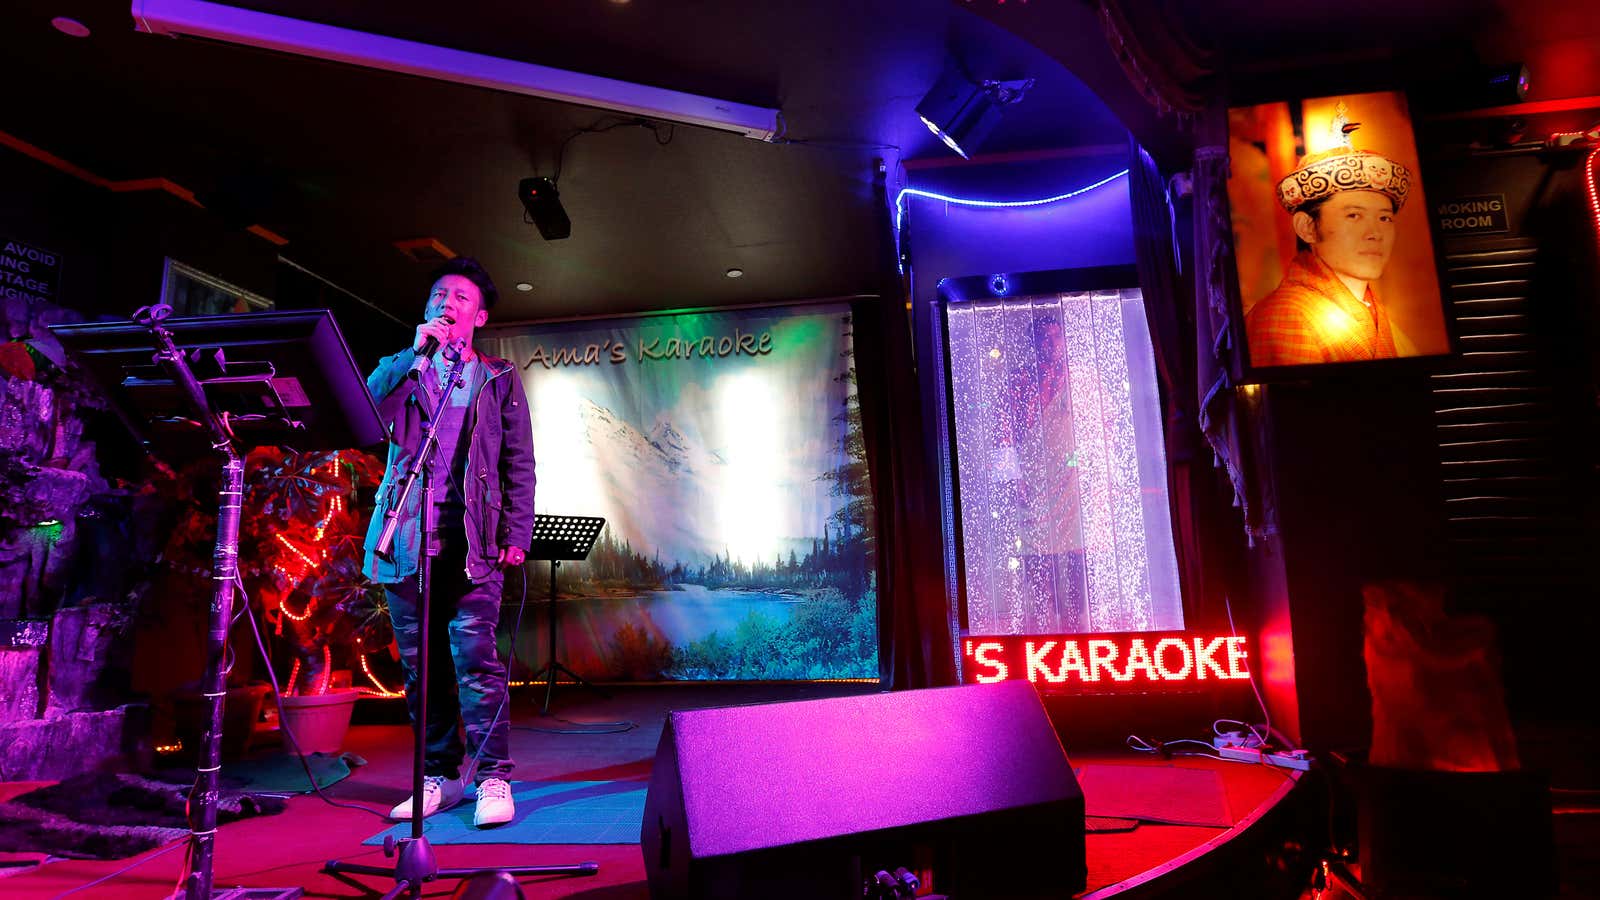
column 344, row 161
column 354, row 159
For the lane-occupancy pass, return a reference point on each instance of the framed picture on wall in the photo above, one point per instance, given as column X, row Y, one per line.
column 1332, row 238
column 191, row 292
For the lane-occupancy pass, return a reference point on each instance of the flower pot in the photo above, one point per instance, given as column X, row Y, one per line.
column 318, row 721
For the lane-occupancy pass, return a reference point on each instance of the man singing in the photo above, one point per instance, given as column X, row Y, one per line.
column 1342, row 204
column 482, row 481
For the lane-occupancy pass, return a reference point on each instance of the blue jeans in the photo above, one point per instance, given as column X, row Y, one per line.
column 466, row 680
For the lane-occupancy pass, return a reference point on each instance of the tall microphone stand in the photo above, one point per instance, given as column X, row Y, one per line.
column 225, row 384
column 224, row 575
column 415, row 863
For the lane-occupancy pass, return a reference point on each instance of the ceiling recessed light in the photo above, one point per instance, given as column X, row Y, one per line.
column 70, row 26
column 524, row 286
column 735, row 273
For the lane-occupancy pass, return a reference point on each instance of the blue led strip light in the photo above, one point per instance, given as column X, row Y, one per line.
column 900, row 201
column 900, row 206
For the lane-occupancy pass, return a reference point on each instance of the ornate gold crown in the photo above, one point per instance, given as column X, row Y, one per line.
column 1342, row 168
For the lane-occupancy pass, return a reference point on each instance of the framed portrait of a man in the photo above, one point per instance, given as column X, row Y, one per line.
column 1332, row 240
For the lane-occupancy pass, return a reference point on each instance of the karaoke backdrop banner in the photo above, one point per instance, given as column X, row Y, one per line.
column 725, row 452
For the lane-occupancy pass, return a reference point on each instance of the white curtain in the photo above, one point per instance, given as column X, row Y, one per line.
column 1062, row 477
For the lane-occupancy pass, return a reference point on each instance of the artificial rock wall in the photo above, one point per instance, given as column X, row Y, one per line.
column 65, row 612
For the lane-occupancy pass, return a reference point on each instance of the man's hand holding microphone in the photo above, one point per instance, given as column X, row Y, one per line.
column 430, row 336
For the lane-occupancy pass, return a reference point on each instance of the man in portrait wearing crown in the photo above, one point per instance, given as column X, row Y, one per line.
column 1343, row 204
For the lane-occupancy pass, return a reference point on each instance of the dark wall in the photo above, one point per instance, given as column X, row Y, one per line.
column 44, row 208
column 149, row 226
column 370, row 334
column 114, row 246
column 1478, row 472
column 949, row 241
column 1355, row 469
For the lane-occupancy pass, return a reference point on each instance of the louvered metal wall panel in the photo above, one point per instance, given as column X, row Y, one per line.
column 1512, row 503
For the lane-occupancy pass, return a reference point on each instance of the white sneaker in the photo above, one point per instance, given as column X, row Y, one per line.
column 495, row 806
column 438, row 793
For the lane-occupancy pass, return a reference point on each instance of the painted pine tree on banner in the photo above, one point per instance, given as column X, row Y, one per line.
column 855, row 550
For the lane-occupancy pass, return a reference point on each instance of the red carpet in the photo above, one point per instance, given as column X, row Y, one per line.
column 1155, row 794
column 289, row 849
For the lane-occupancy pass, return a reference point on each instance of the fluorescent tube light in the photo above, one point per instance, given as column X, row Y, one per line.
column 217, row 22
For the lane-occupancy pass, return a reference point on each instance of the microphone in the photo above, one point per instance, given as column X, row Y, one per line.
column 430, row 346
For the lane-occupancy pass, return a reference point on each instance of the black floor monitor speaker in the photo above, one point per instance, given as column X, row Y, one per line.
column 809, row 799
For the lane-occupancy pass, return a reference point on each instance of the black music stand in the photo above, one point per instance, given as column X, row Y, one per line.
column 558, row 538
column 232, row 383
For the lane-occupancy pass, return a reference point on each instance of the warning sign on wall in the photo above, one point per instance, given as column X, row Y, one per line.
column 28, row 272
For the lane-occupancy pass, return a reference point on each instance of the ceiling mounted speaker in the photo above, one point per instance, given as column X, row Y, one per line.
column 542, row 202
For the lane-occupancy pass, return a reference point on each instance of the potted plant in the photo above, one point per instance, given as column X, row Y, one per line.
column 334, row 614
column 300, row 552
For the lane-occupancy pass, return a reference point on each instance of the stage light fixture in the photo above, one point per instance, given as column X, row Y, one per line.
column 543, row 204
column 229, row 24
column 963, row 112
column 959, row 112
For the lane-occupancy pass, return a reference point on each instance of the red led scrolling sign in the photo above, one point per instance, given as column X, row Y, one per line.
column 1129, row 662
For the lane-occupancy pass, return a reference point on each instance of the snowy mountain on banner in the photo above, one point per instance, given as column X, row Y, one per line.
column 660, row 488
column 677, row 451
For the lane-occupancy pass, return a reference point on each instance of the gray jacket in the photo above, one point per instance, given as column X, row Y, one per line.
column 499, row 476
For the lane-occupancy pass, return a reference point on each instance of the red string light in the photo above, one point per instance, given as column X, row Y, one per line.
column 327, row 669
column 335, row 505
column 1594, row 191
column 381, row 691
column 306, row 551
column 310, row 563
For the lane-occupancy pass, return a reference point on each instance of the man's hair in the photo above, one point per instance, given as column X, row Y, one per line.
column 1314, row 210
column 473, row 271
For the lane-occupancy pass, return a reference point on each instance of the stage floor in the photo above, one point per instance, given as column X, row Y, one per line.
column 289, row 849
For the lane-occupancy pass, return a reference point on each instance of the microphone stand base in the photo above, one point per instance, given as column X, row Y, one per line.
column 415, row 865
column 249, row 893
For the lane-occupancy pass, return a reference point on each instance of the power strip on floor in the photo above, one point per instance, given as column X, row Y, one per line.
column 1283, row 759
column 1290, row 759
column 1240, row 754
